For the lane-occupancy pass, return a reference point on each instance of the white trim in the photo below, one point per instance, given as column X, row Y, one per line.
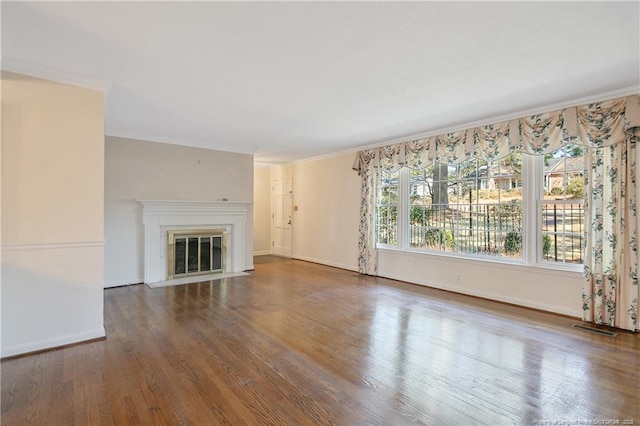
column 488, row 261
column 601, row 97
column 52, row 245
column 532, row 183
column 45, row 72
column 262, row 252
column 263, row 164
column 326, row 263
column 486, row 295
column 180, row 205
column 404, row 209
column 172, row 141
column 53, row 343
column 161, row 216
column 120, row 283
column 531, row 230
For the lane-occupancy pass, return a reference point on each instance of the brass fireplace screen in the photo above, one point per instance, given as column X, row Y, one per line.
column 195, row 252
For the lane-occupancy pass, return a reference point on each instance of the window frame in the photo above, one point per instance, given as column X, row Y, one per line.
column 540, row 261
column 532, row 199
column 398, row 212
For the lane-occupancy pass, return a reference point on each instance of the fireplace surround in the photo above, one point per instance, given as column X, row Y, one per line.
column 163, row 216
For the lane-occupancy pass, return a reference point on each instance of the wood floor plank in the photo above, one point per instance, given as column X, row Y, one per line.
column 301, row 343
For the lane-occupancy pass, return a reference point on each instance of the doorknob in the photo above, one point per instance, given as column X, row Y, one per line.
column 289, row 222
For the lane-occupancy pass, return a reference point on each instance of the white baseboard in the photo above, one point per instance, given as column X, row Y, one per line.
column 55, row 342
column 487, row 295
column 327, row 263
column 119, row 283
column 262, row 252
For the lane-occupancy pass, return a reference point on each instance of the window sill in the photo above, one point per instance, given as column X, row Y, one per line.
column 569, row 270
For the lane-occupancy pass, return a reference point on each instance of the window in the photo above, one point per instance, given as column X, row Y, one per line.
column 387, row 208
column 471, row 208
column 562, row 206
column 487, row 209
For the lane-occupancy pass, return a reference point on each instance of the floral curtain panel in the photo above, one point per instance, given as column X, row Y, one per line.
column 610, row 292
column 609, row 129
column 368, row 255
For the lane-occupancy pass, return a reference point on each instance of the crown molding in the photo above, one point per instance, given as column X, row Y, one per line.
column 34, row 69
column 182, row 142
column 600, row 97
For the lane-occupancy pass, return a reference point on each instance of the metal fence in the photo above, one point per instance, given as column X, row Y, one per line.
column 496, row 229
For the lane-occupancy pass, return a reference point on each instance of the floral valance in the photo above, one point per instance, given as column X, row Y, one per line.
column 593, row 125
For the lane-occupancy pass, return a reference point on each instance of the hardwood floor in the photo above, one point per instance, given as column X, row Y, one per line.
column 300, row 343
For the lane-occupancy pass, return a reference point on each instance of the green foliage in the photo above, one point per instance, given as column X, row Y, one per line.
column 508, row 213
column 547, row 157
column 556, row 190
column 438, row 238
column 513, row 243
column 576, row 187
column 419, row 215
column 567, row 151
column 546, row 245
column 574, row 151
column 511, row 207
column 448, row 239
column 513, row 161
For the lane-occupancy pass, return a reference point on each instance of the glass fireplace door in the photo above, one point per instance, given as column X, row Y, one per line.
column 195, row 254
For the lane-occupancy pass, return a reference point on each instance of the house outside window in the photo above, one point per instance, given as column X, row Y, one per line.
column 562, row 206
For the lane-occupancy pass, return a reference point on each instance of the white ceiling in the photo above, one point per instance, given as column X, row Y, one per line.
column 287, row 81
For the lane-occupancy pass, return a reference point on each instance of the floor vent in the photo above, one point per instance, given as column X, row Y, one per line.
column 595, row 330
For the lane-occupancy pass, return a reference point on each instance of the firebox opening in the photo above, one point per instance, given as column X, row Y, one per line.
column 195, row 252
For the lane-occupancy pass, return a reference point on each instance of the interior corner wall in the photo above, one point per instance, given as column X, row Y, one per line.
column 325, row 230
column 327, row 194
column 52, row 214
column 261, row 209
column 136, row 169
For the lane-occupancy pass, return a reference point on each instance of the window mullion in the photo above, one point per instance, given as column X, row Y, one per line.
column 403, row 208
column 532, row 171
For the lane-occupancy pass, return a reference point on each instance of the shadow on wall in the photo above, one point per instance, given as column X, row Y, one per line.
column 50, row 297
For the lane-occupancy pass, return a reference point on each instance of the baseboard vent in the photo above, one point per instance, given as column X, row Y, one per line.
column 595, row 330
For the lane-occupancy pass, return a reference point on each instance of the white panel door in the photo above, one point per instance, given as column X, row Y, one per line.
column 282, row 209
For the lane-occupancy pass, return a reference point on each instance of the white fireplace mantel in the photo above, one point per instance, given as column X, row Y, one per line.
column 161, row 216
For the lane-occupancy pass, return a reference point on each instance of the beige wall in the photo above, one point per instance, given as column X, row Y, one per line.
column 327, row 192
column 539, row 288
column 136, row 169
column 52, row 214
column 261, row 209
